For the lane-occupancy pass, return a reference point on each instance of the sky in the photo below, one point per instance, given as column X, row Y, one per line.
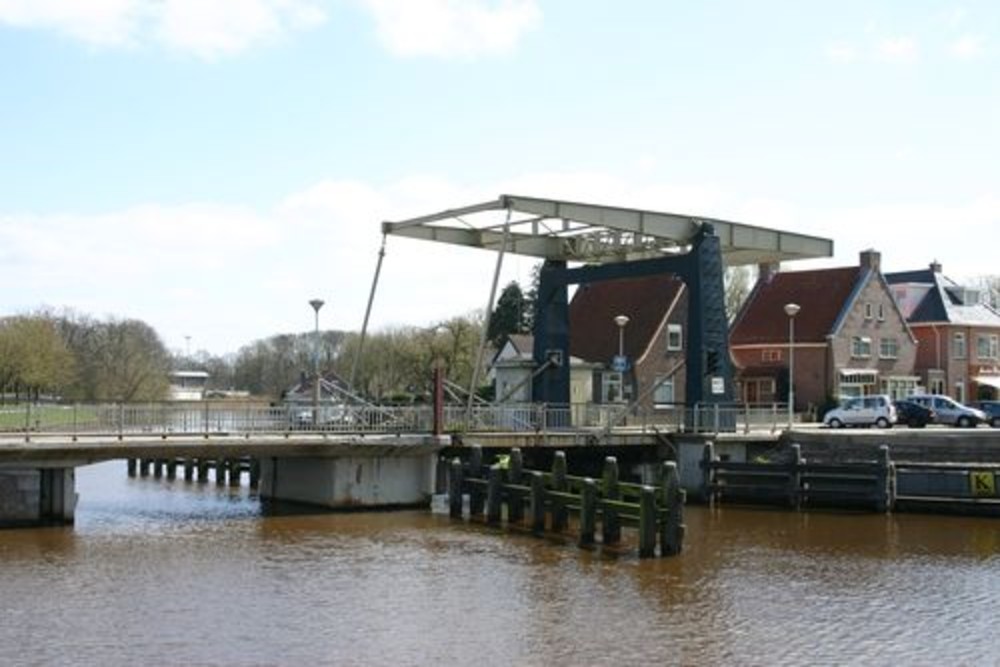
column 209, row 166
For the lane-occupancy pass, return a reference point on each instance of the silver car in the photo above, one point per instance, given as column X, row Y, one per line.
column 951, row 412
column 875, row 410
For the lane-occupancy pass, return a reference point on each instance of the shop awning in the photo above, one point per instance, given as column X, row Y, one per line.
column 859, row 375
column 988, row 380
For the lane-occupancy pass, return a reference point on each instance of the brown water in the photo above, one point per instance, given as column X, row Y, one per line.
column 168, row 573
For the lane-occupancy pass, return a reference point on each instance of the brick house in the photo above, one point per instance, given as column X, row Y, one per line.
column 653, row 340
column 959, row 335
column 851, row 338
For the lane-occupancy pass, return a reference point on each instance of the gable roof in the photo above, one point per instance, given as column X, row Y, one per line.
column 646, row 301
column 944, row 302
column 822, row 294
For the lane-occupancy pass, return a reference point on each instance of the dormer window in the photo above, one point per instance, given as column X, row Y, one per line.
column 675, row 337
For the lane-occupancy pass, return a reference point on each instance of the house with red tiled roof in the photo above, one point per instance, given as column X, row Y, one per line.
column 639, row 360
column 959, row 334
column 850, row 337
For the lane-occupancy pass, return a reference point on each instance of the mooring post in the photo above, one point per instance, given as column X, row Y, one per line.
column 171, row 468
column 455, row 489
column 202, row 470
column 515, row 475
column 537, row 502
column 235, row 470
column 188, row 470
column 560, row 515
column 144, row 465
column 220, row 471
column 611, row 529
column 158, row 468
column 254, row 473
column 672, row 530
column 476, row 461
column 588, row 512
column 795, row 478
column 494, row 494
column 132, row 466
column 647, row 522
column 885, row 484
column 708, row 492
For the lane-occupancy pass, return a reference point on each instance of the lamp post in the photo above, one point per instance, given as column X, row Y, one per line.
column 621, row 364
column 791, row 309
column 316, row 305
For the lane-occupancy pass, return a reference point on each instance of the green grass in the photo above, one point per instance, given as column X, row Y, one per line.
column 44, row 417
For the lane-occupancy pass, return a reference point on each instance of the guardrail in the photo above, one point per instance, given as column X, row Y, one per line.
column 214, row 418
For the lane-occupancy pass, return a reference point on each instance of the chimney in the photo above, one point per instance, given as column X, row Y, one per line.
column 871, row 259
column 936, row 266
column 766, row 271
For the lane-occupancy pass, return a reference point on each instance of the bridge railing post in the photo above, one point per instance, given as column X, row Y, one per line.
column 27, row 421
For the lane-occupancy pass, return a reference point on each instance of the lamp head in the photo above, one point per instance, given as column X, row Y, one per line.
column 316, row 304
column 621, row 320
column 792, row 309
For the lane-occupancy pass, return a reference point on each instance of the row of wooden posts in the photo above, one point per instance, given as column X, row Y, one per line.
column 192, row 469
column 657, row 511
column 796, row 482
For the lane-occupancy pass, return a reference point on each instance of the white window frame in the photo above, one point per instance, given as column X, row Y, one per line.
column 673, row 330
column 861, row 347
column 888, row 348
column 959, row 346
column 771, row 354
column 868, row 311
column 881, row 312
column 665, row 393
column 612, row 380
column 989, row 342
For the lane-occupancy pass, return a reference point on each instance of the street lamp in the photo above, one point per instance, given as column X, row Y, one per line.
column 621, row 321
column 316, row 305
column 791, row 309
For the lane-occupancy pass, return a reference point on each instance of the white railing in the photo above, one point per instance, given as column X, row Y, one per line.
column 218, row 418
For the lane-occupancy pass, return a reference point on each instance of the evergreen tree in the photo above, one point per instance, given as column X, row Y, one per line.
column 509, row 316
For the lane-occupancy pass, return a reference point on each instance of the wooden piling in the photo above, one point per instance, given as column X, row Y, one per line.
column 172, row 469
column 708, row 492
column 795, row 478
column 235, row 471
column 537, row 503
column 647, row 522
column 560, row 515
column 477, row 499
column 202, row 468
column 455, row 489
column 515, row 475
column 220, row 472
column 144, row 465
column 494, row 494
column 158, row 468
column 611, row 529
column 885, row 486
column 588, row 512
column 133, row 465
column 254, row 473
column 672, row 529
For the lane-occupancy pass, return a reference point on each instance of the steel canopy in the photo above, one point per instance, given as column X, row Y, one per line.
column 595, row 234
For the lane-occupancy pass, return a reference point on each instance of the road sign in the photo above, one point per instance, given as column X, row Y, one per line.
column 619, row 363
column 718, row 386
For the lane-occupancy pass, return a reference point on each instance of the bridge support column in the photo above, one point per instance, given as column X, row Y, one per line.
column 363, row 477
column 37, row 496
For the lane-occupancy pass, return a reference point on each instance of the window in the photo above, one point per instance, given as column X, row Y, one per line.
column 868, row 311
column 881, row 312
column 861, row 347
column 675, row 337
column 664, row 392
column 958, row 346
column 987, row 347
column 770, row 355
column 888, row 348
column 611, row 387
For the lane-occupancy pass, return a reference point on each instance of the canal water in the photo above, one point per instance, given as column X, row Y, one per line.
column 173, row 573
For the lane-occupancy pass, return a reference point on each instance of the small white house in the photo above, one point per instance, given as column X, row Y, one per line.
column 513, row 366
column 188, row 385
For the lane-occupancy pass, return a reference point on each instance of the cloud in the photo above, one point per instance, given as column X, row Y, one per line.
column 227, row 275
column 206, row 29
column 452, row 28
column 967, row 47
column 841, row 52
column 898, row 49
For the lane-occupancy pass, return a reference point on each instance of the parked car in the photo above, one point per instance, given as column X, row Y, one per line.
column 913, row 414
column 949, row 411
column 992, row 410
column 874, row 410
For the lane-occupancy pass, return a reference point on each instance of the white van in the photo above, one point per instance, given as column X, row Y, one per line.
column 876, row 410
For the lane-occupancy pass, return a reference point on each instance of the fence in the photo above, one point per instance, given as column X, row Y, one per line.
column 226, row 417
column 657, row 512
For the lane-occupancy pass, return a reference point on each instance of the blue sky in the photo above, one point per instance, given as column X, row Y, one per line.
column 209, row 166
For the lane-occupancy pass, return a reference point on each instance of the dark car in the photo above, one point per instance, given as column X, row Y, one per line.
column 992, row 410
column 913, row 414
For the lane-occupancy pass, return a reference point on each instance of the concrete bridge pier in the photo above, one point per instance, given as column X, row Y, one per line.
column 37, row 496
column 355, row 476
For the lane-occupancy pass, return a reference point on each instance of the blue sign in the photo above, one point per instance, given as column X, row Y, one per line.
column 619, row 363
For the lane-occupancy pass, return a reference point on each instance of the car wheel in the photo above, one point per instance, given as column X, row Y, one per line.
column 964, row 422
column 995, row 422
column 882, row 422
column 836, row 423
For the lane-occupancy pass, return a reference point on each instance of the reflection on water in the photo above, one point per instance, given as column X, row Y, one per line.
column 159, row 572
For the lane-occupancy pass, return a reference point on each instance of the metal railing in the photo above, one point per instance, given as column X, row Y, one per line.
column 228, row 418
